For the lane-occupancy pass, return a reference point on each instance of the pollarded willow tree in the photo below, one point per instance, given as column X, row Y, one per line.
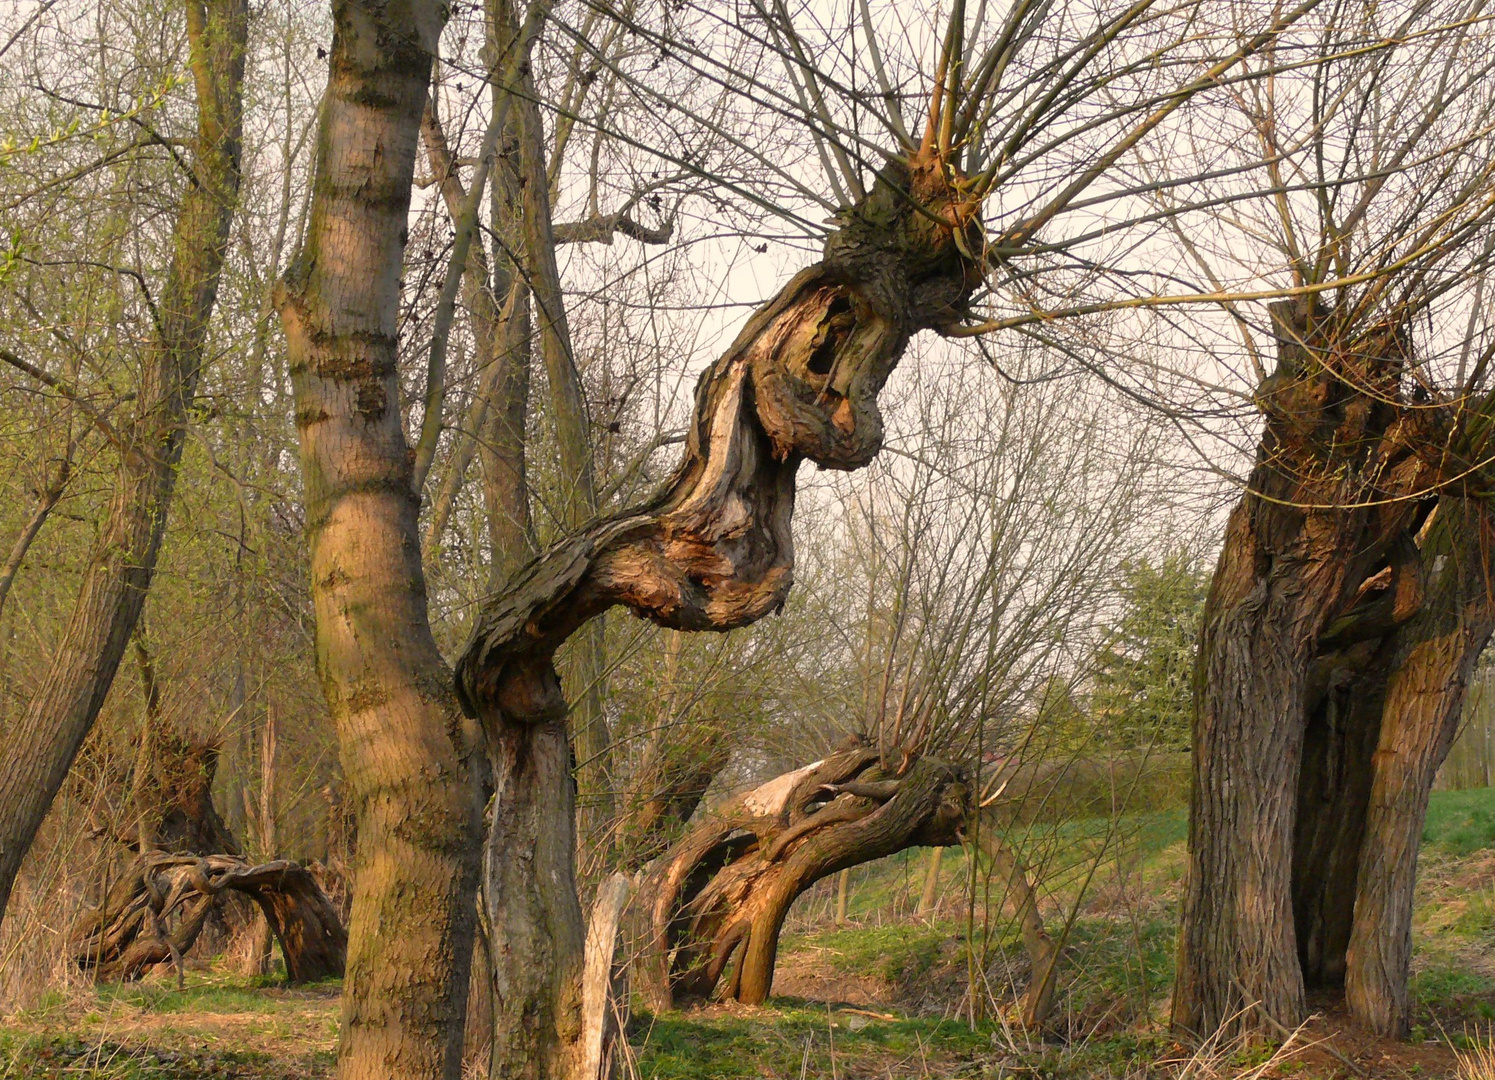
column 967, row 579
column 1351, row 598
column 925, row 231
column 1022, row 125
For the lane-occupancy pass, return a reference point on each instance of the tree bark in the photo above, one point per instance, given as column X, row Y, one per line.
column 129, row 932
column 43, row 742
column 713, row 549
column 724, row 889
column 1320, row 515
column 1435, row 654
column 409, row 757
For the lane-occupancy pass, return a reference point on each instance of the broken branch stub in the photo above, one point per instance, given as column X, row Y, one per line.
column 712, row 550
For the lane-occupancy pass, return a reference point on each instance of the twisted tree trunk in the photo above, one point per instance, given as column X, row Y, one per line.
column 713, row 549
column 724, row 889
column 42, row 743
column 410, row 759
column 156, row 909
column 1351, row 604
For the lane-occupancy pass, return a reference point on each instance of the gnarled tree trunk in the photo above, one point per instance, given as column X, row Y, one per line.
column 42, row 743
column 1320, row 517
column 724, row 889
column 155, row 911
column 713, row 549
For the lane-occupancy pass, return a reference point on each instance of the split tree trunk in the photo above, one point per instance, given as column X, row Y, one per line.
column 43, row 742
column 409, row 757
column 1319, row 517
column 723, row 890
column 1435, row 654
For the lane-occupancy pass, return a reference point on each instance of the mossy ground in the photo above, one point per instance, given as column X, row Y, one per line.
column 886, row 995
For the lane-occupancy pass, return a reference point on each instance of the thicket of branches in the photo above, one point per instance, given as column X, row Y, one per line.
column 1171, row 257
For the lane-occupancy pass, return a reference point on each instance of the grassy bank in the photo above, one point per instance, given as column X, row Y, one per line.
column 884, row 995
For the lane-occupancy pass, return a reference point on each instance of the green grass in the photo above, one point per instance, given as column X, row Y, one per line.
column 49, row 1057
column 789, row 1036
column 1461, row 822
column 898, row 953
column 210, row 993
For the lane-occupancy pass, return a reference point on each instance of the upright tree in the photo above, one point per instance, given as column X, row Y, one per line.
column 40, row 747
column 410, row 759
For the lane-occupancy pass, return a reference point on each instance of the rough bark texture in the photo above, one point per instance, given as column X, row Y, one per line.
column 1434, row 654
column 409, row 757
column 712, row 550
column 155, row 911
column 723, row 890
column 1319, row 519
column 42, row 743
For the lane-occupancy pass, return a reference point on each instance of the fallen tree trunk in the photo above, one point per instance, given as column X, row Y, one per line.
column 723, row 890
column 155, row 911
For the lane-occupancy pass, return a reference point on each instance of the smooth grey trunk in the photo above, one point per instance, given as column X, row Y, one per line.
column 42, row 744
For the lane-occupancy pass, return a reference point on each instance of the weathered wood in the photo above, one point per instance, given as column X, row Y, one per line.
column 713, row 550
column 157, row 908
column 723, row 890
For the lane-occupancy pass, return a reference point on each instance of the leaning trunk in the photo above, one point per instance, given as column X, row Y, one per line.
column 408, row 755
column 156, row 909
column 43, row 743
column 722, row 892
column 713, row 549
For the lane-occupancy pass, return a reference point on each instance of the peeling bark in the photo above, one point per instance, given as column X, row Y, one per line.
column 722, row 892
